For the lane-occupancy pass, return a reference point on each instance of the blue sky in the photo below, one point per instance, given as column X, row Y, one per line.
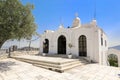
column 49, row 14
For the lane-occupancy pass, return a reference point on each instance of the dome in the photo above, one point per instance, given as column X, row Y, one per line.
column 61, row 26
column 78, row 18
column 76, row 22
column 94, row 22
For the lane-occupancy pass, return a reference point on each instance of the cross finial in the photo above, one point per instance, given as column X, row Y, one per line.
column 61, row 23
column 94, row 16
column 61, row 20
column 76, row 14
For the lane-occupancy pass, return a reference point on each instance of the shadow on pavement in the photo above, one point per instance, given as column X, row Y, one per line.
column 5, row 66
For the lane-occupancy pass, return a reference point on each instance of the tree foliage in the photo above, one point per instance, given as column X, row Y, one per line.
column 16, row 20
column 113, row 60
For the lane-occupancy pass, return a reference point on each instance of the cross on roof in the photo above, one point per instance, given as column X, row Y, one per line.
column 76, row 14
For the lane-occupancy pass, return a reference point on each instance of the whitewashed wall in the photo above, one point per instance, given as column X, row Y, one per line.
column 95, row 51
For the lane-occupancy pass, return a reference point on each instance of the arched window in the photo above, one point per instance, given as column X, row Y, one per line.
column 62, row 45
column 46, row 46
column 113, row 60
column 105, row 43
column 101, row 41
column 82, row 46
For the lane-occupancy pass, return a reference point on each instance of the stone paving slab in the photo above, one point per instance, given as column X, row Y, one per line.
column 11, row 69
column 46, row 59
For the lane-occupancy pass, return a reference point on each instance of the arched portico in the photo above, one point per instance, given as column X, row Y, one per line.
column 82, row 46
column 46, row 46
column 61, row 44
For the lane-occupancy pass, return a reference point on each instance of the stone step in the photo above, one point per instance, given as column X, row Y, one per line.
column 59, row 65
column 62, row 69
column 39, row 62
column 70, row 63
column 71, row 66
column 56, row 66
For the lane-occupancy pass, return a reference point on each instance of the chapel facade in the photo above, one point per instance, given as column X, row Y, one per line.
column 81, row 40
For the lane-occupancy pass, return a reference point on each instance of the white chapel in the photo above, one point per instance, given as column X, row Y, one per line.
column 80, row 40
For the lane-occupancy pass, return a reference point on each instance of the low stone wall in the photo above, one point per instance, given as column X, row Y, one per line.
column 18, row 53
column 3, row 56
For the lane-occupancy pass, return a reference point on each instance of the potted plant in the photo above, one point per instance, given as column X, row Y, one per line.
column 70, row 54
column 44, row 54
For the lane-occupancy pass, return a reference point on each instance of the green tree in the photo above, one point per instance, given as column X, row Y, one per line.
column 113, row 60
column 16, row 20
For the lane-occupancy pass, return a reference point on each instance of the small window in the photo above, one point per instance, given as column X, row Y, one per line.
column 101, row 41
column 105, row 43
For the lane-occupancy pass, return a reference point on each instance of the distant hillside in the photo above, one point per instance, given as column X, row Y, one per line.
column 27, row 48
column 116, row 47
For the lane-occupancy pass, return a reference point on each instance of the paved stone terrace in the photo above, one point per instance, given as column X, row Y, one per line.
column 46, row 59
column 11, row 69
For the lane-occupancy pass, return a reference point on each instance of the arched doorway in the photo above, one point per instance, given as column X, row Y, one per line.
column 46, row 46
column 62, row 45
column 82, row 46
column 113, row 60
